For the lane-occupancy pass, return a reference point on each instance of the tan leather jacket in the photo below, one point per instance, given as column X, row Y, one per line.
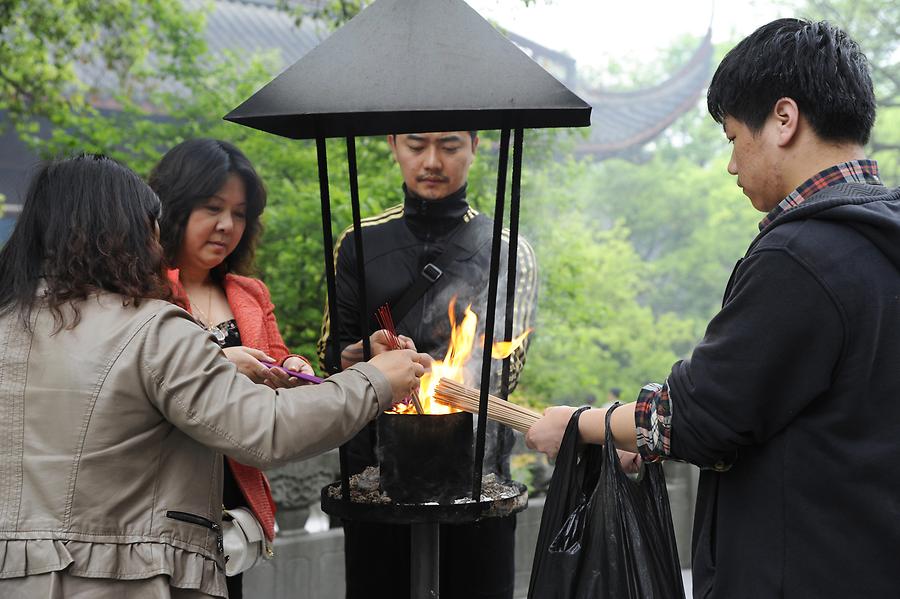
column 111, row 437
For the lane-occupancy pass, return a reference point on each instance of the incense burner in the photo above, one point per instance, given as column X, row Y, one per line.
column 425, row 457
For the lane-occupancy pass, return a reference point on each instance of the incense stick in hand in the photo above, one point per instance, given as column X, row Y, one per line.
column 459, row 396
column 386, row 322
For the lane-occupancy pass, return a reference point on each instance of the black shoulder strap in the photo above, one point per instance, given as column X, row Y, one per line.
column 462, row 238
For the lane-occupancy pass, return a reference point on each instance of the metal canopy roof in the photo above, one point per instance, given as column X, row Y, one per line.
column 404, row 66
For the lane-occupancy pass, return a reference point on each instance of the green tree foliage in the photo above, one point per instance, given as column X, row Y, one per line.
column 49, row 51
column 633, row 255
column 633, row 259
column 592, row 332
column 875, row 25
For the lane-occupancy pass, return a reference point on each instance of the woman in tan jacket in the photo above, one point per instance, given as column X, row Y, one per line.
column 115, row 407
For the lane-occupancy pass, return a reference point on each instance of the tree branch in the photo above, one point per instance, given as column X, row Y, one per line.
column 17, row 86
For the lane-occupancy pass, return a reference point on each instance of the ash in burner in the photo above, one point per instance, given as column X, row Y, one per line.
column 493, row 489
column 365, row 487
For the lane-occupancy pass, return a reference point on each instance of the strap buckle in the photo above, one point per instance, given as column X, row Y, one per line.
column 432, row 272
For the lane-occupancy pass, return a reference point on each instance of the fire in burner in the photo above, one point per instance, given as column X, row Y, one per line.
column 452, row 367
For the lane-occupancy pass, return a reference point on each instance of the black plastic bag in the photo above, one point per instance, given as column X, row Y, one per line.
column 604, row 535
column 566, row 509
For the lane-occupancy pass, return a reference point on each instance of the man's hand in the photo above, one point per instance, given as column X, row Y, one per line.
column 378, row 342
column 546, row 434
column 631, row 462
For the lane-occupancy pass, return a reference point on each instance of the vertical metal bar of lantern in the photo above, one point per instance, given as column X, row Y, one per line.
column 493, row 283
column 512, row 268
column 334, row 323
column 357, row 238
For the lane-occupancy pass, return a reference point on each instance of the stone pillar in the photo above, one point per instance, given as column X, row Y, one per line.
column 297, row 485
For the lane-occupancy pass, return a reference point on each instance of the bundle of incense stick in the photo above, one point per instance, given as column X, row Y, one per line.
column 386, row 321
column 465, row 398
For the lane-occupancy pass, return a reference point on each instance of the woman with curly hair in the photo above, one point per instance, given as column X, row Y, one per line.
column 115, row 407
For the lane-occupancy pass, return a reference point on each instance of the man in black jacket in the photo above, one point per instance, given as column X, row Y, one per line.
column 788, row 401
column 437, row 243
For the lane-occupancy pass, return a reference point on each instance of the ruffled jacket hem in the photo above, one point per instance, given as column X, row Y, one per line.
column 123, row 561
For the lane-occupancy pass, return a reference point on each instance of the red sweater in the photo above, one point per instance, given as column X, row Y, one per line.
column 253, row 311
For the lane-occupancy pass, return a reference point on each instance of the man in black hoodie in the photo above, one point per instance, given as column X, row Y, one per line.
column 788, row 401
column 437, row 243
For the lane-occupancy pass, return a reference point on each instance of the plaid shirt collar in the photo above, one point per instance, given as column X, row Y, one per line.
column 854, row 171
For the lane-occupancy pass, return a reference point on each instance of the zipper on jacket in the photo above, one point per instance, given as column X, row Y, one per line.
column 201, row 521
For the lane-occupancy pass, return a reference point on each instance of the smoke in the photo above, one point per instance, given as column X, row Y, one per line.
column 472, row 289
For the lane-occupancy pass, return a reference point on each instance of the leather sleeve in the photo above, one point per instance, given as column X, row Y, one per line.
column 199, row 391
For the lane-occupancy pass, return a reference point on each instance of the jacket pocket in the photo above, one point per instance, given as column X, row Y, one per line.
column 199, row 521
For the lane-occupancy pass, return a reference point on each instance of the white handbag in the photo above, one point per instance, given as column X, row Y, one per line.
column 244, row 541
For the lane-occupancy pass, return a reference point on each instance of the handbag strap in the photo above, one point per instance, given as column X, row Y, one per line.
column 457, row 242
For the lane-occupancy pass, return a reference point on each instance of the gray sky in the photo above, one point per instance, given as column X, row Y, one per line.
column 594, row 31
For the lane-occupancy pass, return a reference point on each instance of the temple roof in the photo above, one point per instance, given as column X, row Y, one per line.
column 623, row 120
column 620, row 121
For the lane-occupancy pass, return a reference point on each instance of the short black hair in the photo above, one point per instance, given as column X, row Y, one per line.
column 88, row 224
column 188, row 175
column 815, row 64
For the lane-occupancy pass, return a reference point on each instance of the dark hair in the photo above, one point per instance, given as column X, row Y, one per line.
column 88, row 224
column 815, row 64
column 194, row 171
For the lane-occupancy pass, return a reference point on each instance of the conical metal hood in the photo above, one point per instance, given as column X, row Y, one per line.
column 404, row 66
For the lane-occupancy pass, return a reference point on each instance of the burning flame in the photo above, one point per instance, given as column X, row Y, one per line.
column 462, row 341
column 503, row 349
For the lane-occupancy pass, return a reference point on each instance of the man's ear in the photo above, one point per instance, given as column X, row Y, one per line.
column 474, row 144
column 787, row 120
column 392, row 142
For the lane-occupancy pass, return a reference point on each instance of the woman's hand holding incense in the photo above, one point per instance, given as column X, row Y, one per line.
column 403, row 368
